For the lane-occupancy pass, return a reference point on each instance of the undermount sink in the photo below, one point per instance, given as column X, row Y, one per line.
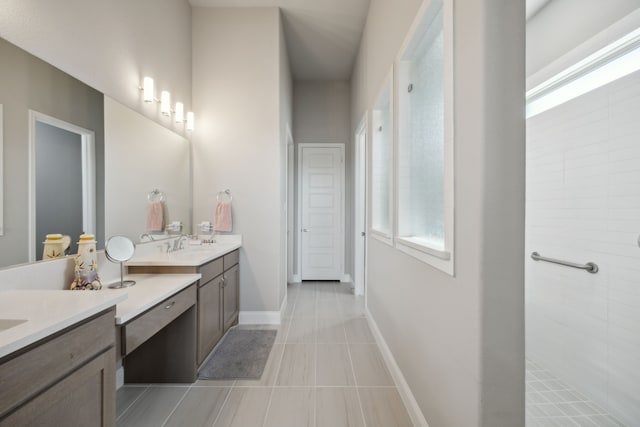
column 10, row 323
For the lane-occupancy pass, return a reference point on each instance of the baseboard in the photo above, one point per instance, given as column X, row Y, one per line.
column 417, row 417
column 259, row 318
column 297, row 278
column 346, row 278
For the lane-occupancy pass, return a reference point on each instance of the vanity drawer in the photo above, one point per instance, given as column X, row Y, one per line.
column 231, row 259
column 149, row 323
column 210, row 270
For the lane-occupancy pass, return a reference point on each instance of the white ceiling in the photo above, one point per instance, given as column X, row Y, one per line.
column 322, row 35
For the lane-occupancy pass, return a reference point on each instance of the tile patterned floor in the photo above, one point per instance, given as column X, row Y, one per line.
column 325, row 369
column 551, row 403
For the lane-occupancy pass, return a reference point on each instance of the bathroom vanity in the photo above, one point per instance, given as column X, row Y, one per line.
column 217, row 290
column 156, row 329
column 57, row 366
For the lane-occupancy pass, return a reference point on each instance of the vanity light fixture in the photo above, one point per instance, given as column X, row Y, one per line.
column 147, row 89
column 165, row 103
column 190, row 120
column 179, row 112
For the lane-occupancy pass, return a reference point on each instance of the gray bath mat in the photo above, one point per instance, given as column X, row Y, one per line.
column 242, row 354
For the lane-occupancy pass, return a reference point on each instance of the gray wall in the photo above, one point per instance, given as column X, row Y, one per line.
column 58, row 184
column 30, row 83
column 321, row 114
column 459, row 341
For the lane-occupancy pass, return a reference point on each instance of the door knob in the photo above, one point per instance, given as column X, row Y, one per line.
column 362, row 233
column 305, row 230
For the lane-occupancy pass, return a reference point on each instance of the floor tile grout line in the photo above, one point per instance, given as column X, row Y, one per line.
column 176, row 406
column 226, row 398
column 133, row 403
column 353, row 372
column 273, row 389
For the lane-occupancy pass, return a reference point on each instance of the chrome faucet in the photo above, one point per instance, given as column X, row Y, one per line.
column 179, row 242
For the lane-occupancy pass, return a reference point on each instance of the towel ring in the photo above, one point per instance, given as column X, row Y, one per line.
column 156, row 196
column 224, row 196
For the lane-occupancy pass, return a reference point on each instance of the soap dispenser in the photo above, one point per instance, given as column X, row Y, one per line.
column 86, row 269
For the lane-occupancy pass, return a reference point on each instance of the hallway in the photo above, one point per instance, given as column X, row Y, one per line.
column 325, row 369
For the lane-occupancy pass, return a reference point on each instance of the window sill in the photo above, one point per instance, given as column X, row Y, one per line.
column 381, row 236
column 437, row 258
column 422, row 246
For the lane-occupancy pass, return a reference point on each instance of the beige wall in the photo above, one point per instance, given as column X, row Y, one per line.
column 563, row 25
column 109, row 45
column 141, row 156
column 459, row 341
column 237, row 142
column 286, row 124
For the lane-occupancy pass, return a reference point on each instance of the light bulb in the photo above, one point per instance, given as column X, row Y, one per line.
column 190, row 121
column 147, row 89
column 165, row 103
column 179, row 112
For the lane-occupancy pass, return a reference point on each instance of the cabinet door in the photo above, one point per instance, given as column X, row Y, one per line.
column 84, row 398
column 209, row 316
column 231, row 296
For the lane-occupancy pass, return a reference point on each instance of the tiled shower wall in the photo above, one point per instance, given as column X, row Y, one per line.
column 583, row 204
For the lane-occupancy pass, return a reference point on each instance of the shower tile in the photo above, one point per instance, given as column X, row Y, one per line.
column 536, row 411
column 551, row 410
column 585, row 409
column 538, row 386
column 536, row 398
column 605, row 421
column 542, row 375
column 568, row 409
column 584, row 421
column 564, row 422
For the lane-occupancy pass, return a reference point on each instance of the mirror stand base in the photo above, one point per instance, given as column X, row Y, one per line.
column 122, row 284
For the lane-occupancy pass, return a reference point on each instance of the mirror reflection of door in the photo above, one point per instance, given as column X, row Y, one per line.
column 63, row 182
column 58, row 167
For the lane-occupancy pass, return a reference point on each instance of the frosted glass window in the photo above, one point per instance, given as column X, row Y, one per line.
column 421, row 149
column 381, row 163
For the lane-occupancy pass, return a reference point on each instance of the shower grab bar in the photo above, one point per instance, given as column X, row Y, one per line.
column 590, row 267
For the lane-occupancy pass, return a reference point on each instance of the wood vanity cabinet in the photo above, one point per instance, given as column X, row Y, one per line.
column 159, row 345
column 230, row 291
column 218, row 297
column 210, row 325
column 67, row 379
column 218, row 300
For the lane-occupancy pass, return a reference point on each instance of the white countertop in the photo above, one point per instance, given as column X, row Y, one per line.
column 149, row 290
column 47, row 312
column 191, row 256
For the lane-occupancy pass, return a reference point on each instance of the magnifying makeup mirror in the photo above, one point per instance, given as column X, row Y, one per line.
column 120, row 249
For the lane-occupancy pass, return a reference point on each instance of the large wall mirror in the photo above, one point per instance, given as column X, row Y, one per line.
column 76, row 161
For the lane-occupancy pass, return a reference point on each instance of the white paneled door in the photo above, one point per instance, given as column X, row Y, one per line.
column 322, row 211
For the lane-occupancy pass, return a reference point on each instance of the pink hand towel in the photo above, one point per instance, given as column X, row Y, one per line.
column 155, row 216
column 222, row 220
